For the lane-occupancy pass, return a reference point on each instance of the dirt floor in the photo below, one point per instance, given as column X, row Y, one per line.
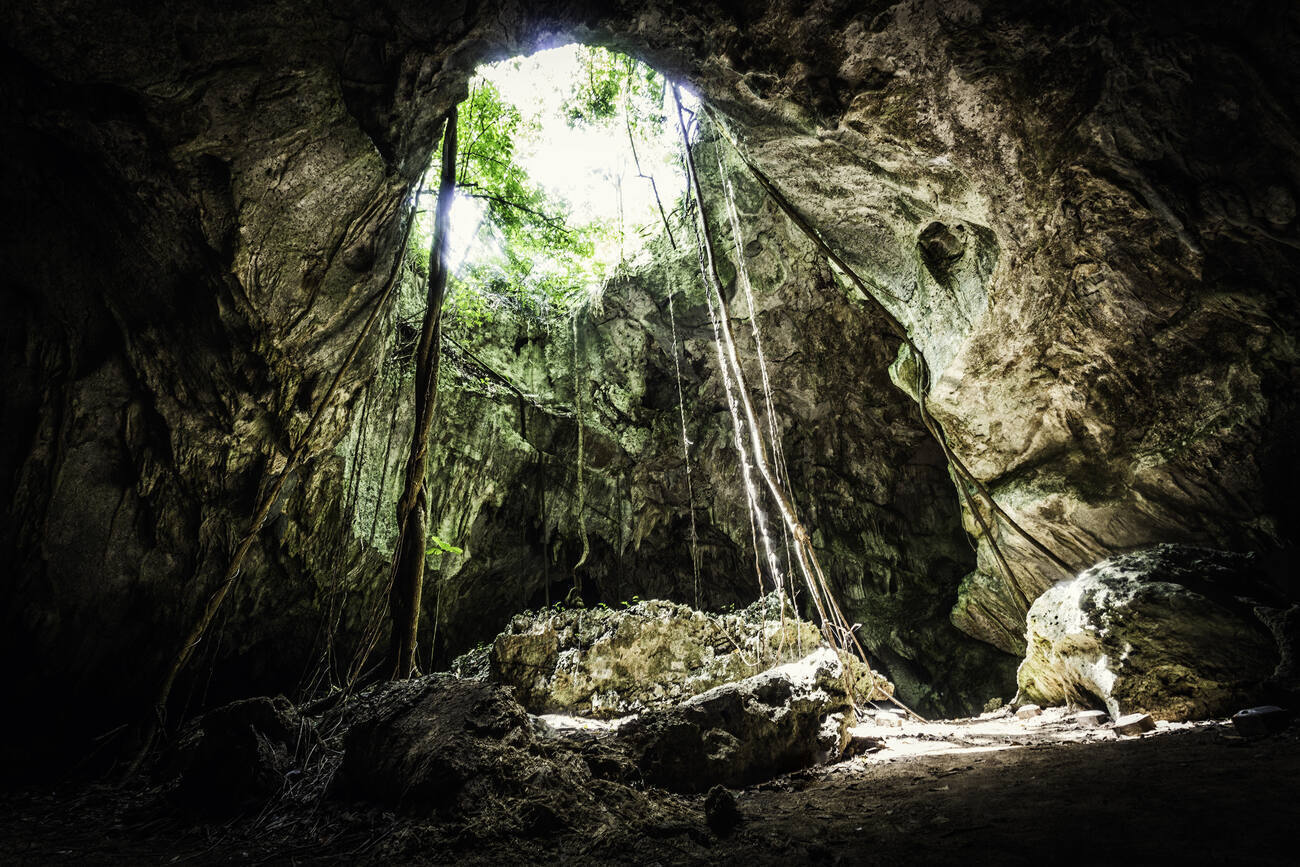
column 999, row 790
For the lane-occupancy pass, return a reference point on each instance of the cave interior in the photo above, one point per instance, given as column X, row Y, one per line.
column 964, row 345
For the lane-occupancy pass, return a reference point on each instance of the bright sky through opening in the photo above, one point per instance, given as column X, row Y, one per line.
column 591, row 167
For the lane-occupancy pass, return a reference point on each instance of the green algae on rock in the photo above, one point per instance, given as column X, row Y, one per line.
column 608, row 663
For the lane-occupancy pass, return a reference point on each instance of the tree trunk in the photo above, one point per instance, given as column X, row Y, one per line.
column 413, row 507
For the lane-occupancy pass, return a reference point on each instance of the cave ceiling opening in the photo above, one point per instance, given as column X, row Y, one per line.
column 572, row 177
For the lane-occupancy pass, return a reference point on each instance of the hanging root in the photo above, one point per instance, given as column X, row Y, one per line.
column 582, row 505
column 961, row 473
column 686, row 446
column 835, row 627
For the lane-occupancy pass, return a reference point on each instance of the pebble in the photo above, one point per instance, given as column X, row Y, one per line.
column 1135, row 724
column 1028, row 711
column 1091, row 719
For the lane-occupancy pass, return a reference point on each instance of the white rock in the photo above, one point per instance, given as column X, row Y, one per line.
column 1134, row 632
column 1028, row 711
column 1091, row 719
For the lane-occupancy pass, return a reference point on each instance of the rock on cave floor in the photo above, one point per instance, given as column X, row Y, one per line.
column 1194, row 794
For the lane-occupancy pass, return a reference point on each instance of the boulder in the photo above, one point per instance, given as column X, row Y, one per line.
column 430, row 744
column 742, row 733
column 240, row 754
column 608, row 663
column 463, row 750
column 1155, row 631
column 1254, row 722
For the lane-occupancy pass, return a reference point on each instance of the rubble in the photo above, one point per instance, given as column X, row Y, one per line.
column 608, row 663
column 743, row 732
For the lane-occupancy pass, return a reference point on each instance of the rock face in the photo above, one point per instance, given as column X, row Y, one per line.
column 605, row 663
column 740, row 733
column 1084, row 216
column 1156, row 631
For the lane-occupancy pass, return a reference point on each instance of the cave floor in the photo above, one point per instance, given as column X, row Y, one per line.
column 948, row 794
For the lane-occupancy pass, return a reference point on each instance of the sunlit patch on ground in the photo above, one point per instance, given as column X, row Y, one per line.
column 990, row 732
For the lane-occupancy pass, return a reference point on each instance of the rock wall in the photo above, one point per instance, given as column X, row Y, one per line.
column 202, row 202
column 864, row 476
column 1087, row 226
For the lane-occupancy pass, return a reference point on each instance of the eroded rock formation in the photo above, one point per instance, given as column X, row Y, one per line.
column 736, row 734
column 606, row 663
column 1157, row 631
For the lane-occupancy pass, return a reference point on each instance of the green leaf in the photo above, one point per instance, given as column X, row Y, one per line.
column 441, row 547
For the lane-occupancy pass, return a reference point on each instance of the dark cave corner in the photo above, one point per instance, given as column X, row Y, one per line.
column 1076, row 229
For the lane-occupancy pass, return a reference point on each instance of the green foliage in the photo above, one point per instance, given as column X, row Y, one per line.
column 518, row 250
column 526, row 256
column 440, row 547
column 488, row 171
column 615, row 86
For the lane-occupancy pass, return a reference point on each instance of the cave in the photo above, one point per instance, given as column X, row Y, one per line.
column 1025, row 282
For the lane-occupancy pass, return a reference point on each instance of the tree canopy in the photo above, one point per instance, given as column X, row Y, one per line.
column 518, row 247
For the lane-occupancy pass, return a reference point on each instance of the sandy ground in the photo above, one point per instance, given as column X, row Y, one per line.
column 990, row 790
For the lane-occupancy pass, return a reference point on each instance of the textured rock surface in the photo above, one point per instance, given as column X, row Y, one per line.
column 447, row 748
column 243, row 753
column 1085, row 215
column 607, row 663
column 1156, row 631
column 863, row 474
column 433, row 744
column 744, row 732
column 450, row 745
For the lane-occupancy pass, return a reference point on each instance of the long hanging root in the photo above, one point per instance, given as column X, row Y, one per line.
column 960, row 471
column 835, row 627
column 686, row 445
column 576, row 592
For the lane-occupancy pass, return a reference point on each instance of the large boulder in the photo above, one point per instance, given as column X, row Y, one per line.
column 737, row 734
column 451, row 748
column 434, row 743
column 1157, row 631
column 239, row 756
column 605, row 663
